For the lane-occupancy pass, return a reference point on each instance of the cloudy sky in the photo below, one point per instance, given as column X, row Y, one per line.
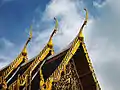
column 101, row 33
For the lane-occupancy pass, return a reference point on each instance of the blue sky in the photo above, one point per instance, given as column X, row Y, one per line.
column 101, row 33
column 16, row 16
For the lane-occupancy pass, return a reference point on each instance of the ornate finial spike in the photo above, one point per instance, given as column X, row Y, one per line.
column 55, row 29
column 86, row 18
column 24, row 51
column 85, row 22
column 30, row 32
column 56, row 23
column 50, row 44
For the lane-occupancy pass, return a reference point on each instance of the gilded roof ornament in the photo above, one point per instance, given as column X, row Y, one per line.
column 24, row 51
column 53, row 33
column 85, row 22
column 30, row 33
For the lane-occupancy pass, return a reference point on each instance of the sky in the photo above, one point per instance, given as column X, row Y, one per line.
column 101, row 32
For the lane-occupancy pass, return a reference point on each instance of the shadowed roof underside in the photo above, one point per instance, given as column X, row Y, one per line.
column 82, row 66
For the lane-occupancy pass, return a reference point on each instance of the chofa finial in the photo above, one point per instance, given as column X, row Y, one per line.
column 85, row 22
column 24, row 51
column 54, row 31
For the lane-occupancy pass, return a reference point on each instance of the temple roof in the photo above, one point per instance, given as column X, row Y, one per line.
column 57, row 63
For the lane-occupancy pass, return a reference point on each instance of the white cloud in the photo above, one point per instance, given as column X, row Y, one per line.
column 6, row 47
column 6, row 43
column 96, row 4
column 115, row 5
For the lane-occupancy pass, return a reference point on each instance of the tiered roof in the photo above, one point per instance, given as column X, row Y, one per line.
column 70, row 69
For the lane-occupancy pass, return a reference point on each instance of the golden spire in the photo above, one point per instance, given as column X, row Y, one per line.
column 30, row 32
column 24, row 51
column 50, row 44
column 85, row 22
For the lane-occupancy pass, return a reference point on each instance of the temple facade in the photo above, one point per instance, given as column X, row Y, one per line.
column 70, row 69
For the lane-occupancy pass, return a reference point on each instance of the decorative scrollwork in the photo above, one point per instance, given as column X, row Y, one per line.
column 68, row 81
